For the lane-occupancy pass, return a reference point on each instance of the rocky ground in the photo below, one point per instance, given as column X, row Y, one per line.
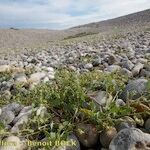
column 90, row 92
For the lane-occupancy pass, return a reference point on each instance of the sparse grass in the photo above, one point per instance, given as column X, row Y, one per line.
column 5, row 76
column 82, row 34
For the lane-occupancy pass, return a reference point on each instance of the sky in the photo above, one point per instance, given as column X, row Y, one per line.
column 62, row 14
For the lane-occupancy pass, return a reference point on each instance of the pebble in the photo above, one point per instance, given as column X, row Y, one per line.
column 4, row 68
column 37, row 77
column 6, row 116
column 125, row 122
column 20, row 78
column 136, row 70
column 134, row 89
column 88, row 66
column 87, row 134
column 128, row 65
column 106, row 136
column 101, row 98
column 130, row 138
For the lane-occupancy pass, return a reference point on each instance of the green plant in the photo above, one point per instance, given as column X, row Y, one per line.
column 64, row 99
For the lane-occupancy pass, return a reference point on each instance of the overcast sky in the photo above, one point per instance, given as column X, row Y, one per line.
column 61, row 14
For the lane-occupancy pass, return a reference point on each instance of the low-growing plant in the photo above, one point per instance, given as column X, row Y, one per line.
column 5, row 76
column 64, row 99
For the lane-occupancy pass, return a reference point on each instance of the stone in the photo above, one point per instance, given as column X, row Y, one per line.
column 6, row 116
column 22, row 119
column 130, row 139
column 137, row 68
column 128, row 65
column 4, row 68
column 50, row 69
column 46, row 79
column 72, row 68
column 19, row 125
column 120, row 102
column 14, row 107
column 20, row 78
column 147, row 125
column 145, row 73
column 111, row 59
column 125, row 122
column 37, row 77
column 134, row 89
column 83, row 71
column 142, row 60
column 87, row 134
column 126, row 72
column 106, row 136
column 26, row 111
column 51, row 76
column 96, row 62
column 112, row 68
column 101, row 98
column 88, row 66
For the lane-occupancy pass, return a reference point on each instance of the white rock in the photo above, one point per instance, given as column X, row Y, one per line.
column 37, row 77
column 51, row 76
column 4, row 68
column 50, row 69
column 88, row 66
column 142, row 60
column 46, row 79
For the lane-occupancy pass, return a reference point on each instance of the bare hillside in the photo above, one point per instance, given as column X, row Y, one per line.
column 12, row 39
column 135, row 20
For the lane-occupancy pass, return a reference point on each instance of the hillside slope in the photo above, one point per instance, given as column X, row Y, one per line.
column 12, row 39
column 137, row 20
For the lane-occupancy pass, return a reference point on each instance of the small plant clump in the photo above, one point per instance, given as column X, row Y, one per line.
column 65, row 99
